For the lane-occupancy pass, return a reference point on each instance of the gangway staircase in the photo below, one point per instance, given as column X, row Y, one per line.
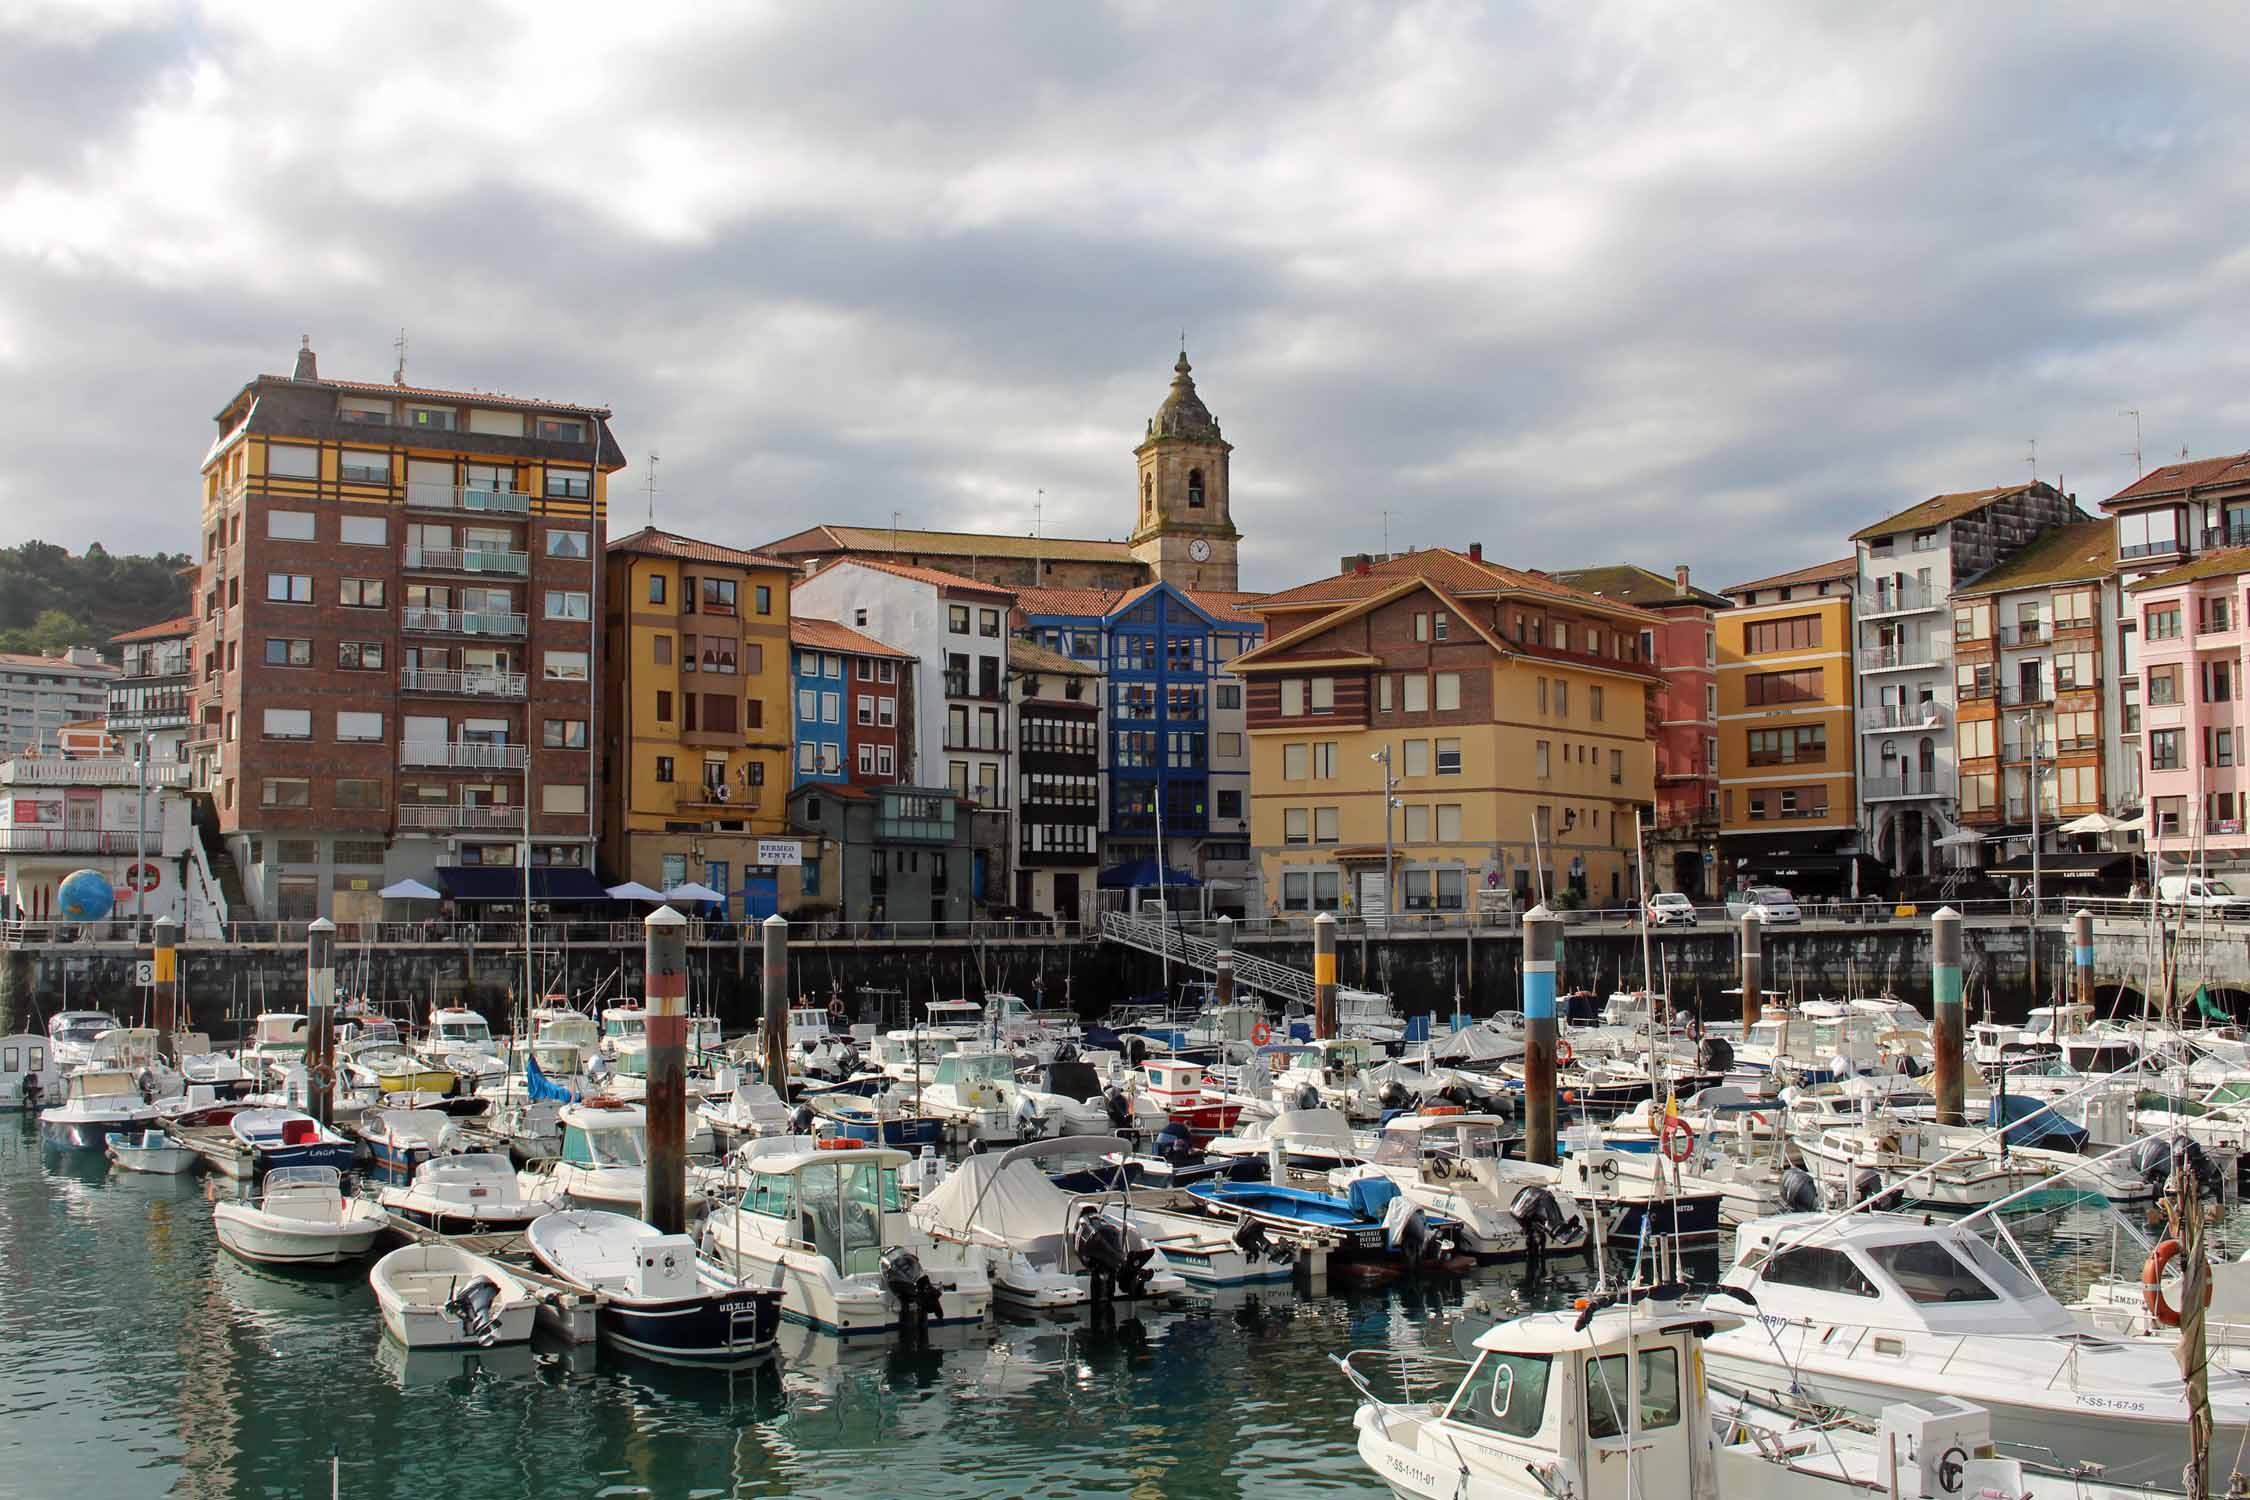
column 1182, row 947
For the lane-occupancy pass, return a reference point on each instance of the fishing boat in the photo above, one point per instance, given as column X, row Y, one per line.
column 460, row 1042
column 29, row 1076
column 300, row 1217
column 153, row 1151
column 97, row 1102
column 277, row 1040
column 659, row 1297
column 628, row 1022
column 1454, row 1164
column 199, row 1064
column 878, row 1120
column 1182, row 1092
column 974, row 1090
column 257, row 1141
column 476, row 1192
column 439, row 1296
column 1632, row 1205
column 603, row 1163
column 745, row 1110
column 1308, row 1140
column 1862, row 1311
column 829, row 1227
column 1070, row 1098
column 1360, row 1224
column 71, row 1035
column 403, row 1139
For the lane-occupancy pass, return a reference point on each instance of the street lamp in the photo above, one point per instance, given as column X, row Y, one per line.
column 1389, row 801
column 2028, row 720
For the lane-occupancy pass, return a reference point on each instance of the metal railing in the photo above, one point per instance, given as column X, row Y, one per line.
column 1897, row 598
column 470, row 684
column 468, row 560
column 1920, row 784
column 427, row 496
column 1906, row 654
column 2233, row 534
column 464, row 621
column 77, row 840
column 489, row 819
column 1904, row 716
column 719, row 799
column 40, row 770
column 465, row 755
column 2023, row 695
column 2025, row 633
column 1173, row 941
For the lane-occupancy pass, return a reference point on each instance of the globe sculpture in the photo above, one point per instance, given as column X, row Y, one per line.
column 84, row 896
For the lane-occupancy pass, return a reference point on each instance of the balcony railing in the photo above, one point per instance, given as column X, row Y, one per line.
column 2165, row 548
column 2233, row 534
column 1906, row 654
column 76, row 840
column 1917, row 784
column 465, row 755
column 468, row 560
column 1898, row 598
column 2025, row 633
column 425, row 496
column 2024, row 695
column 2019, row 808
column 470, row 684
column 464, row 621
column 718, row 801
column 486, row 819
column 1904, row 716
column 41, row 770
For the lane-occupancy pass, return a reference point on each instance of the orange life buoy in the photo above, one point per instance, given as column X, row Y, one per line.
column 1261, row 1034
column 1676, row 1140
column 836, row 1143
column 1443, row 1109
column 836, row 1009
column 1760, row 1119
column 2152, row 1285
column 1564, row 1055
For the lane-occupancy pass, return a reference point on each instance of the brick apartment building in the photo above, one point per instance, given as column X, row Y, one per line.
column 393, row 651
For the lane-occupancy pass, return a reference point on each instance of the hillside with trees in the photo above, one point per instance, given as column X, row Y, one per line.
column 51, row 599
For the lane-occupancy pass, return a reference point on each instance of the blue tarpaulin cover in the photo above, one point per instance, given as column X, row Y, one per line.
column 2034, row 1124
column 541, row 1088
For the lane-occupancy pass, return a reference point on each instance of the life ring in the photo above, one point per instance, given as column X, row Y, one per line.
column 1755, row 1118
column 1443, row 1109
column 1260, row 1034
column 1564, row 1056
column 2152, row 1285
column 1676, row 1140
column 836, row 1009
column 836, row 1143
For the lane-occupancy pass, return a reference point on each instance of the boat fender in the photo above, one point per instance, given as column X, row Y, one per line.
column 2152, row 1285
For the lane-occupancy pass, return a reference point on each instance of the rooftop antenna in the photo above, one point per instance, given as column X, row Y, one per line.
column 2033, row 460
column 1038, row 505
column 894, row 531
column 652, row 456
column 1386, row 533
column 2135, row 413
column 398, row 376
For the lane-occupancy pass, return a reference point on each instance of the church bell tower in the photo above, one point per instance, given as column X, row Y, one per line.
column 1186, row 530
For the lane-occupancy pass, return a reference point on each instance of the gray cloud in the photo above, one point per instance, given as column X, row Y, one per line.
column 1586, row 282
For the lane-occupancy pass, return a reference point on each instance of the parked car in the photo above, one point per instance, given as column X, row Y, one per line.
column 2201, row 893
column 1670, row 909
column 1771, row 901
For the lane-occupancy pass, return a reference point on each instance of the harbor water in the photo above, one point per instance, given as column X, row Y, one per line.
column 137, row 1359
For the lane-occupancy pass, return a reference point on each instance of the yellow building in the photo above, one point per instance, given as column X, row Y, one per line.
column 1510, row 711
column 696, row 721
column 1788, row 800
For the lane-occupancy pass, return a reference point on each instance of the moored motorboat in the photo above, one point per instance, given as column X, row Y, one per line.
column 257, row 1141
column 301, row 1217
column 153, row 1151
column 439, row 1296
column 659, row 1297
column 476, row 1192
column 97, row 1102
column 403, row 1139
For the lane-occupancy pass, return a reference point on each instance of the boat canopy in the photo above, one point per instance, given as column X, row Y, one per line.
column 1608, row 1329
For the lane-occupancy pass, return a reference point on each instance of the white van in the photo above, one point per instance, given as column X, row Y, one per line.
column 2201, row 893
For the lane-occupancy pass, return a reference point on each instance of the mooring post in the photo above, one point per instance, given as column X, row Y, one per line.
column 1753, row 966
column 1541, row 1034
column 664, row 1186
column 1324, row 975
column 2082, row 954
column 1222, row 963
column 164, row 965
column 320, row 1007
column 1947, row 1021
column 773, row 937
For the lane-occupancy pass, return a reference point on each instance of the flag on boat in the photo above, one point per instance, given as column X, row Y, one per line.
column 540, row 1088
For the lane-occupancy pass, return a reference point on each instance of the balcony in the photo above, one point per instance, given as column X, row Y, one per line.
column 1929, row 715
column 1928, row 653
column 77, row 840
column 464, row 621
column 2233, row 534
column 484, row 819
column 2019, row 809
column 2026, row 694
column 41, row 770
column 1916, row 784
column 466, row 756
column 457, row 497
column 2024, row 633
column 468, row 560
column 467, row 684
column 1899, row 598
column 719, row 801
column 2169, row 547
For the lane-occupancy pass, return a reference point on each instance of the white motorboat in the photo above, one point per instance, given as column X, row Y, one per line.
column 153, row 1151
column 476, row 1192
column 1607, row 1404
column 403, row 1139
column 1070, row 1098
column 1042, row 1250
column 1452, row 1164
column 1925, row 1164
column 29, row 1076
column 198, row 1064
column 659, row 1296
column 277, row 1040
column 97, row 1103
column 260, row 1140
column 830, row 1228
column 439, row 1296
column 974, row 1090
column 1870, row 1309
column 301, row 1217
column 603, row 1163
column 460, row 1042
column 622, row 1023
column 1309, row 1140
column 1327, row 1074
column 71, row 1035
column 745, row 1111
column 132, row 1049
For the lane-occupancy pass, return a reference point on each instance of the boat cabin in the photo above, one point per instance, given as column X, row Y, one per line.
column 27, row 1070
column 565, row 1028
column 1175, row 1085
column 1891, row 1271
column 279, row 1031
column 604, row 1135
column 963, row 1017
column 102, row 1086
column 461, row 1028
column 976, row 1077
column 79, row 1028
column 808, row 1023
column 129, row 1047
column 2054, row 1023
column 833, row 1201
column 1814, row 1035
column 902, row 1054
column 621, row 1021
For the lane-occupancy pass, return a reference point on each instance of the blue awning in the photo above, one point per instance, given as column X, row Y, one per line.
column 1139, row 873
column 500, row 883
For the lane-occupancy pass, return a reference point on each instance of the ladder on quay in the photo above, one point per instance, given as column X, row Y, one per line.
column 1182, row 947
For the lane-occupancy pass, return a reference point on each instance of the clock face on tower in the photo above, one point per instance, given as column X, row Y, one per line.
column 1200, row 550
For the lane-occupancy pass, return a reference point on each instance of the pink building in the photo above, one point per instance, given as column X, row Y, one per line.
column 1683, row 847
column 2190, row 625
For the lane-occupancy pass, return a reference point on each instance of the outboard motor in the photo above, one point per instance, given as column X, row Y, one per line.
column 1028, row 1124
column 801, row 1120
column 1798, row 1192
column 1411, row 1236
column 1867, row 1187
column 1135, row 1050
column 1395, row 1095
column 2152, row 1159
column 475, row 1308
column 1543, row 1218
column 904, row 1279
column 1113, row 1265
column 1176, row 1144
column 1307, row 1097
column 1251, row 1239
column 1714, row 1054
column 1118, row 1106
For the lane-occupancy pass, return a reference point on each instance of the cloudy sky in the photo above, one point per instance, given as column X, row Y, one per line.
column 1588, row 282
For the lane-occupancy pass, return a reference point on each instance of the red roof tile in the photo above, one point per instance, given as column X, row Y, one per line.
column 649, row 542
column 1828, row 572
column 1455, row 572
column 161, row 630
column 1084, row 602
column 816, row 634
column 934, row 576
column 2233, row 468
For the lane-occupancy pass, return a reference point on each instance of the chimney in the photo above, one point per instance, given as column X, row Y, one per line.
column 1476, row 552
column 1679, row 578
column 307, row 368
column 1361, row 567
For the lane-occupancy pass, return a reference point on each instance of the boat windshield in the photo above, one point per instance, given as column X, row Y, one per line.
column 840, row 1207
column 465, row 1031
column 83, row 1028
column 618, row 1146
column 556, row 1057
column 1505, row 1393
column 2000, row 1271
column 630, row 1024
column 987, row 1067
column 1927, row 1271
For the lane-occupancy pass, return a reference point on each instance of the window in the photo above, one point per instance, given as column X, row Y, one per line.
column 1226, row 744
column 290, row 461
column 563, row 734
column 1414, row 694
column 1616, row 768
column 1781, row 747
column 663, row 706
column 2163, row 749
column 1226, row 695
column 717, row 596
column 1229, row 803
column 289, row 525
column 1293, row 697
column 988, row 623
column 764, row 596
column 1437, row 626
column 1449, row 757
column 1594, row 703
column 359, row 656
column 2151, row 532
column 1324, row 760
column 1818, row 1270
column 288, row 723
column 1449, row 692
column 1929, row 1272
column 1782, row 687
column 2164, row 685
column 1449, row 822
column 569, row 484
column 1414, row 758
column 957, row 619
column 1795, row 633
column 660, row 650
column 353, row 724
column 285, row 791
column 863, row 709
column 1416, row 819
column 564, row 666
column 360, row 593
column 569, row 604
column 565, row 797
column 1607, row 1393
column 1296, row 825
column 289, row 588
column 281, row 652
column 359, row 466
column 2162, row 622
column 358, row 792
column 832, row 708
column 1296, row 762
column 366, row 531
column 656, row 586
column 1321, row 691
column 1562, row 699
column 1542, row 763
column 1327, row 825
column 565, row 543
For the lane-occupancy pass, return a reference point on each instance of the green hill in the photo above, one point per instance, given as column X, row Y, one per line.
column 51, row 600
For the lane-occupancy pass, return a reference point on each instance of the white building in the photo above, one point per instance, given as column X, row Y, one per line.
column 40, row 694
column 129, row 823
column 151, row 699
